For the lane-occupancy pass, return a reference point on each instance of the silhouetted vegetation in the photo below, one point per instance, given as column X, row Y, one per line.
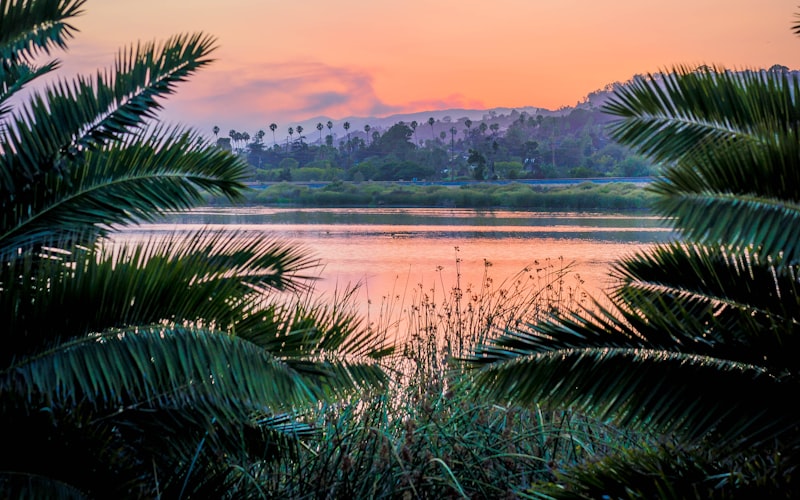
column 583, row 196
column 200, row 367
column 568, row 143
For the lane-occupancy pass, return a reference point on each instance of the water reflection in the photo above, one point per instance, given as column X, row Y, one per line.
column 390, row 248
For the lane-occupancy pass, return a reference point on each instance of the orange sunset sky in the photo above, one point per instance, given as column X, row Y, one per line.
column 289, row 62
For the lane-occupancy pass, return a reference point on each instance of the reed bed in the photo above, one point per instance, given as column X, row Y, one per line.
column 430, row 434
column 584, row 196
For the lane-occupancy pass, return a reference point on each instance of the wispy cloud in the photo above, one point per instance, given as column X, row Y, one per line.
column 282, row 93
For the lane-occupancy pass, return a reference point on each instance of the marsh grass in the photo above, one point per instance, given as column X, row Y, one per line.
column 430, row 434
column 584, row 196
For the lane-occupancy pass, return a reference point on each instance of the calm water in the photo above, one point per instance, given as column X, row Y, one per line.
column 390, row 249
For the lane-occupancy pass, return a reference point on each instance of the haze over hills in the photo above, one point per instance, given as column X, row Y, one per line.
column 446, row 118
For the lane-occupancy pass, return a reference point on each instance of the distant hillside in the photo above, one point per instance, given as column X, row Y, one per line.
column 444, row 119
column 503, row 116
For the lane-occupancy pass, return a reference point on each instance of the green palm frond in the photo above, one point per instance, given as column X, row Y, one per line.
column 224, row 280
column 718, row 131
column 326, row 342
column 73, row 115
column 164, row 170
column 204, row 278
column 643, row 389
column 14, row 78
column 740, row 221
column 712, row 301
column 682, row 314
column 28, row 29
column 216, row 374
column 673, row 115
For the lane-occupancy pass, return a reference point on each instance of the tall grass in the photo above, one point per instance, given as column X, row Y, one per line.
column 584, row 196
column 430, row 434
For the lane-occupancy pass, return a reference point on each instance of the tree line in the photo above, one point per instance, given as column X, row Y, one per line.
column 519, row 145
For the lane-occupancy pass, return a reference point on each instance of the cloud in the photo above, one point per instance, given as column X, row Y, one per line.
column 284, row 93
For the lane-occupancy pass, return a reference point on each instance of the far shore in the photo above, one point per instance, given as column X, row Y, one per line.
column 537, row 194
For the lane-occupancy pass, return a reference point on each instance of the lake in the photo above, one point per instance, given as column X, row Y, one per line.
column 393, row 250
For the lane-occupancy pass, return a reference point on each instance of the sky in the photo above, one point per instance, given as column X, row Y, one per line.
column 290, row 62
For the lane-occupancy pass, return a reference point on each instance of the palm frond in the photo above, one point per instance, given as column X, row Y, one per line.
column 14, row 78
column 711, row 301
column 72, row 115
column 29, row 29
column 767, row 226
column 138, row 180
column 643, row 389
column 205, row 278
column 720, row 132
column 214, row 373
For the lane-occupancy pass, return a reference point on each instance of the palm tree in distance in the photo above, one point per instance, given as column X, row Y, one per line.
column 414, row 126
column 215, row 130
column 319, row 129
column 367, row 128
column 300, row 133
column 700, row 342
column 346, row 127
column 431, row 121
column 168, row 367
column 291, row 137
column 273, row 127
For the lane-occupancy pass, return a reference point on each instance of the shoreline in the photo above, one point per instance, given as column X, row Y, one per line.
column 523, row 195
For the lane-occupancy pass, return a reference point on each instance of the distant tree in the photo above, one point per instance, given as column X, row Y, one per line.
column 483, row 127
column 414, row 126
column 443, row 135
column 468, row 124
column 367, row 129
column 291, row 136
column 215, row 130
column 778, row 68
column 273, row 127
column 330, row 127
column 494, row 127
column 346, row 126
column 319, row 128
column 300, row 133
column 396, row 140
column 453, row 132
column 431, row 121
column 477, row 159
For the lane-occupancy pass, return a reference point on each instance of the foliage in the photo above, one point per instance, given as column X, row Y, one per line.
column 583, row 196
column 172, row 366
column 699, row 344
column 514, row 146
column 426, row 436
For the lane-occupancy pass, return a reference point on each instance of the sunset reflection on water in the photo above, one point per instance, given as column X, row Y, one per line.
column 391, row 250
